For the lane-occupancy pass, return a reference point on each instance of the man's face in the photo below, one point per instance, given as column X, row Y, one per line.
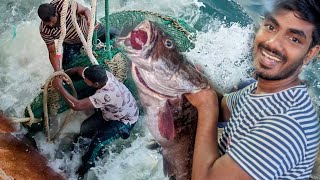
column 53, row 22
column 282, row 46
column 91, row 84
column 88, row 82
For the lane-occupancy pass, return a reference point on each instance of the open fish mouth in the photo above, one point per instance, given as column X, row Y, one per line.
column 138, row 38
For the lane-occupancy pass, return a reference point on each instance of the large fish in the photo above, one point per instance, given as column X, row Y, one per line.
column 19, row 160
column 162, row 77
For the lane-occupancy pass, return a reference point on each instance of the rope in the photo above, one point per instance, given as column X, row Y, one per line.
column 92, row 23
column 63, row 17
column 107, row 33
column 45, row 102
column 86, row 45
column 29, row 120
column 4, row 176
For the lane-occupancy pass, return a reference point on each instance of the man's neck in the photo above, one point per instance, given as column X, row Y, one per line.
column 268, row 86
column 101, row 85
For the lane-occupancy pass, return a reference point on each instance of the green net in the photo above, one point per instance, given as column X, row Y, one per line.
column 182, row 34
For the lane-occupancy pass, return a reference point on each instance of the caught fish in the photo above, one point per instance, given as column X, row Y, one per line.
column 162, row 77
column 19, row 160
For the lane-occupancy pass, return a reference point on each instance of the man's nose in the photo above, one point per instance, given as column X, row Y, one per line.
column 276, row 41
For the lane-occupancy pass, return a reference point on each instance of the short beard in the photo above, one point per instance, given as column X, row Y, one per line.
column 282, row 75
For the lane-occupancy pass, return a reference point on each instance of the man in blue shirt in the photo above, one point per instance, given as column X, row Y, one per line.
column 273, row 129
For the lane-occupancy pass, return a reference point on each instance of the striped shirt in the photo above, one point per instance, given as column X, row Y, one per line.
column 49, row 34
column 272, row 136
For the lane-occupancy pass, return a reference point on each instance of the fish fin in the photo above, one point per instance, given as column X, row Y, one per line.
column 166, row 122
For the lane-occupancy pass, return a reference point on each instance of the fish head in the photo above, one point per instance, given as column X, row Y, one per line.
column 157, row 63
column 151, row 49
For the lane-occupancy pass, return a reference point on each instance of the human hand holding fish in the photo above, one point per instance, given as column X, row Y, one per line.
column 205, row 99
column 165, row 80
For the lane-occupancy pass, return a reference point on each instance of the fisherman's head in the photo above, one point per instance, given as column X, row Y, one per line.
column 48, row 15
column 287, row 39
column 95, row 76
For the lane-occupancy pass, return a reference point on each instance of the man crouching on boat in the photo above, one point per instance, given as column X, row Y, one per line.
column 50, row 29
column 116, row 110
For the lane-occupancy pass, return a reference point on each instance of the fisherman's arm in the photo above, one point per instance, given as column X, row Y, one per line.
column 207, row 163
column 224, row 112
column 75, row 71
column 81, row 10
column 74, row 103
column 53, row 57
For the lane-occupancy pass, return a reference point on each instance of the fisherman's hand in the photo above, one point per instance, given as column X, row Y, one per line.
column 89, row 22
column 57, row 83
column 204, row 99
column 97, row 26
column 66, row 80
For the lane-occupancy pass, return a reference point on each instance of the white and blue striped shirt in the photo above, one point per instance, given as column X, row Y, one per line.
column 272, row 136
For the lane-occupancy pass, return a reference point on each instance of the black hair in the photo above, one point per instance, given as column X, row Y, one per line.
column 46, row 11
column 307, row 10
column 96, row 73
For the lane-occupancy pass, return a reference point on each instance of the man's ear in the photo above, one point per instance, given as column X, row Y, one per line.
column 96, row 84
column 314, row 51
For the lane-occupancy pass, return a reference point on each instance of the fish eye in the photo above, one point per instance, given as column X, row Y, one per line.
column 168, row 43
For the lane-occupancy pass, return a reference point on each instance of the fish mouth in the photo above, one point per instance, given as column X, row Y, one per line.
column 139, row 38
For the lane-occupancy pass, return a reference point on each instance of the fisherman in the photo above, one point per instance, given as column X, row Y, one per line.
column 116, row 110
column 50, row 30
column 273, row 129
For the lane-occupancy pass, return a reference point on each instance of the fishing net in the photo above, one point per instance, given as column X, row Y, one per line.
column 180, row 32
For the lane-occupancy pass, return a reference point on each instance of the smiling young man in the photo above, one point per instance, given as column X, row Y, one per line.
column 273, row 129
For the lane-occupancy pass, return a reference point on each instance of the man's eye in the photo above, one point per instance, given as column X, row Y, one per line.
column 269, row 27
column 295, row 40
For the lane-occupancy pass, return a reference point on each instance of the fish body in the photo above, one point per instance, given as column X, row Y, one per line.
column 162, row 77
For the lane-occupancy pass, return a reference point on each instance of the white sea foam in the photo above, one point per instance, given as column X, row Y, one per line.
column 223, row 54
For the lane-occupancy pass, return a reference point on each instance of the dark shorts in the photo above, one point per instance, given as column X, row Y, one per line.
column 102, row 133
column 97, row 125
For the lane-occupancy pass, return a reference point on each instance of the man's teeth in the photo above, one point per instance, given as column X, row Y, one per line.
column 271, row 57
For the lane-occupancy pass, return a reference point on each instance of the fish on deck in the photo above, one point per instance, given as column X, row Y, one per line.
column 162, row 77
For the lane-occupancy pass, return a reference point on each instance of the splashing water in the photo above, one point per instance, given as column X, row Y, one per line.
column 224, row 57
